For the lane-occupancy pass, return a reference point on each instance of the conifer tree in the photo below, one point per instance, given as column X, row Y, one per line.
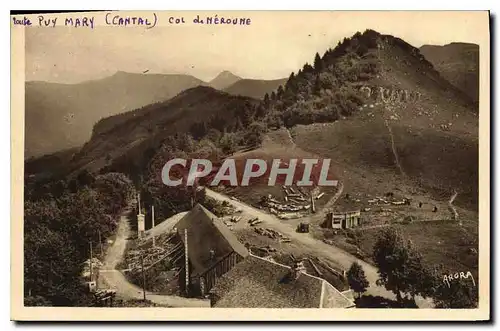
column 280, row 92
column 266, row 100
column 318, row 63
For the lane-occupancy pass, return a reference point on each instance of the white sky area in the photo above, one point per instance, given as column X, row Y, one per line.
column 274, row 45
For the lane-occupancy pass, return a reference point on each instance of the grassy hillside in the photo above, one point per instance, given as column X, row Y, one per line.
column 61, row 116
column 361, row 147
column 458, row 63
column 422, row 131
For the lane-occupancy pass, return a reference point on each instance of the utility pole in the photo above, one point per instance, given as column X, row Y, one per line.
column 143, row 277
column 153, row 222
column 186, row 260
column 90, row 264
column 100, row 243
column 192, row 199
column 139, row 202
column 313, row 207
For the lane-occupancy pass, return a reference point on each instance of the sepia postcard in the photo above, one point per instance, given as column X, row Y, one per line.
column 250, row 165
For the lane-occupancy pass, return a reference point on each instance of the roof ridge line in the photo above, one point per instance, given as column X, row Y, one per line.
column 322, row 296
column 286, row 266
column 274, row 262
column 337, row 290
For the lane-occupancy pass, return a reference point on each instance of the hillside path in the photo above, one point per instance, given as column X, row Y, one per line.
column 335, row 197
column 394, row 150
column 117, row 281
column 289, row 134
column 318, row 247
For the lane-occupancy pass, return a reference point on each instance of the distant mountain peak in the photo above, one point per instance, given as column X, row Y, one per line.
column 226, row 73
column 224, row 79
column 121, row 73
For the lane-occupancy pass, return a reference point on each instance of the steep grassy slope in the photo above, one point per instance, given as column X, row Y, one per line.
column 435, row 137
column 61, row 116
column 418, row 130
column 254, row 88
column 458, row 63
column 361, row 148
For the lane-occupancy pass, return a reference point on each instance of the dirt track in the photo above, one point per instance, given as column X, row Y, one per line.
column 337, row 195
column 126, row 290
column 317, row 247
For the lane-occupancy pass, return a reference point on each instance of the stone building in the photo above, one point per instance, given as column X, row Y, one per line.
column 342, row 220
column 221, row 268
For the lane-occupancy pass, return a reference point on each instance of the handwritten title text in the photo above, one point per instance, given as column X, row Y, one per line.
column 146, row 20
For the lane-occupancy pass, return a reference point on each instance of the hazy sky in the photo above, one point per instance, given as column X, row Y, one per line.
column 275, row 44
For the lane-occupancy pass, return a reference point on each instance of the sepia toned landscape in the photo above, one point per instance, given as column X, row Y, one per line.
column 399, row 121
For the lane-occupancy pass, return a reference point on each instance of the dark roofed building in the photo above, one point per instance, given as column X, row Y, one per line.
column 219, row 265
column 259, row 283
column 212, row 248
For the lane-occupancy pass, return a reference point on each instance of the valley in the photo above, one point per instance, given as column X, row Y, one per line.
column 63, row 116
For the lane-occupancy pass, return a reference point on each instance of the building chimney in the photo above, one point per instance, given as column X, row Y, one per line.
column 153, row 222
column 140, row 218
column 186, row 261
column 297, row 269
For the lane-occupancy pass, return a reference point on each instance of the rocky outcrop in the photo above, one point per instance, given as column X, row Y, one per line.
column 390, row 95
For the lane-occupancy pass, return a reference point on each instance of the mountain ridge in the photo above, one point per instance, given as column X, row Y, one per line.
column 255, row 88
column 131, row 134
column 61, row 116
